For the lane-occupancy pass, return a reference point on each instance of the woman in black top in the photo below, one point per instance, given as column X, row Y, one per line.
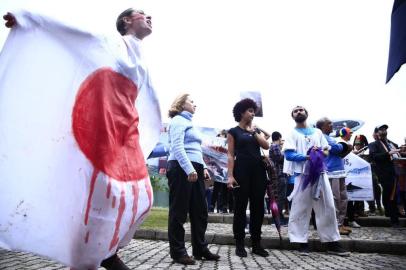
column 246, row 175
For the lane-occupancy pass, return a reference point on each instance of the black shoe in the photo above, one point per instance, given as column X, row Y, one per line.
column 240, row 249
column 336, row 249
column 114, row 263
column 185, row 259
column 258, row 249
column 304, row 249
column 241, row 252
column 207, row 255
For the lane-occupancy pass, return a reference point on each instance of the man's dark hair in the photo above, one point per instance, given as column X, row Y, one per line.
column 120, row 25
column 276, row 136
column 241, row 106
column 291, row 114
column 320, row 123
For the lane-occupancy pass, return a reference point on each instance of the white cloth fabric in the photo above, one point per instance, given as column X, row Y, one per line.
column 56, row 199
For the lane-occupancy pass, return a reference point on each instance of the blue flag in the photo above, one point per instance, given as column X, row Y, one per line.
column 397, row 47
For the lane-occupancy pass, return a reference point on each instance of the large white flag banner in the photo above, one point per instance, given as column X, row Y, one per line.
column 359, row 178
column 78, row 115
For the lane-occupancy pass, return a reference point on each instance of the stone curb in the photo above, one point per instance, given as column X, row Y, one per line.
column 354, row 245
column 372, row 221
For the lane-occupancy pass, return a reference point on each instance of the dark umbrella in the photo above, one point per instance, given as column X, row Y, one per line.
column 271, row 191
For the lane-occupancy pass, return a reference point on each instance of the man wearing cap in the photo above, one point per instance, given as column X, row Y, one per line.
column 302, row 139
column 382, row 152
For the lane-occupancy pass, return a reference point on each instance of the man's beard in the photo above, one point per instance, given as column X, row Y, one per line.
column 300, row 118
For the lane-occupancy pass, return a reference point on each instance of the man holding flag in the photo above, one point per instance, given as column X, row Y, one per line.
column 74, row 181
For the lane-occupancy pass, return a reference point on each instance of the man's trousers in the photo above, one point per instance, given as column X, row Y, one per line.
column 300, row 213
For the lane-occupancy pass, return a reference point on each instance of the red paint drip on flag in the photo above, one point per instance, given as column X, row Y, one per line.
column 113, row 202
column 87, row 237
column 148, row 189
column 108, row 192
column 121, row 209
column 89, row 199
column 136, row 191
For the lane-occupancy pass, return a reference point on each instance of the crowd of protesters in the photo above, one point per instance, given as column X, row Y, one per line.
column 306, row 189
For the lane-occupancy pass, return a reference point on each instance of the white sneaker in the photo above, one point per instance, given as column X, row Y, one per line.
column 354, row 224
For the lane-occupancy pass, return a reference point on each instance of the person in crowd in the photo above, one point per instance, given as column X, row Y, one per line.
column 361, row 146
column 336, row 172
column 219, row 197
column 382, row 152
column 377, row 203
column 401, row 174
column 186, row 175
column 276, row 155
column 222, row 196
column 402, row 149
column 302, row 140
column 361, row 149
column 133, row 25
column 354, row 208
column 247, row 176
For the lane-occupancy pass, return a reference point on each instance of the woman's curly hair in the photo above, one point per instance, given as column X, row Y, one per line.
column 241, row 106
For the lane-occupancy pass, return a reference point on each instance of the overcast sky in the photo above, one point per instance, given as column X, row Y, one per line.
column 330, row 56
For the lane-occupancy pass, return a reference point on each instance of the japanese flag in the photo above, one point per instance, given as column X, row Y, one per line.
column 78, row 115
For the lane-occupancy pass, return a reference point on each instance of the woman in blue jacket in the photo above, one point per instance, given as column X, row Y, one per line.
column 186, row 175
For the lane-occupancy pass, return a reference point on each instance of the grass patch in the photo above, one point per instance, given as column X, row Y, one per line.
column 157, row 219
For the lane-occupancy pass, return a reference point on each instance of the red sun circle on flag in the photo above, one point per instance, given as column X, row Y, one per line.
column 105, row 125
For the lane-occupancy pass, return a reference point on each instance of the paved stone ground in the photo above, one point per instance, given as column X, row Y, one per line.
column 147, row 254
column 364, row 233
column 369, row 221
column 365, row 240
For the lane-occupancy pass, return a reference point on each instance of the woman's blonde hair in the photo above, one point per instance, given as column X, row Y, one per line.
column 177, row 105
